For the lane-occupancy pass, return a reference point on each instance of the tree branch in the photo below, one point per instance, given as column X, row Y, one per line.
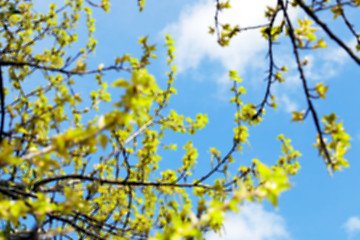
column 114, row 182
column 2, row 99
column 62, row 70
column 271, row 67
column 305, row 87
column 78, row 228
column 328, row 31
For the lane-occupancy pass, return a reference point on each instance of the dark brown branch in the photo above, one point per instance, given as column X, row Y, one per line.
column 231, row 151
column 2, row 106
column 271, row 67
column 98, row 223
column 216, row 168
column 113, row 182
column 253, row 27
column 330, row 6
column 328, row 31
column 241, row 175
column 62, row 70
column 305, row 87
column 346, row 21
column 216, row 18
column 78, row 228
column 8, row 193
column 93, row 4
column 127, row 217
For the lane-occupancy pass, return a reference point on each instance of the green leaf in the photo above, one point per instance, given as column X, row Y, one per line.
column 321, row 90
column 121, row 83
column 298, row 116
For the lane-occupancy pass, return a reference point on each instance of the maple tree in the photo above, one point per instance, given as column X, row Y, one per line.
column 72, row 171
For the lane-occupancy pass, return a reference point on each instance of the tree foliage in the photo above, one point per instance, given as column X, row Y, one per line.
column 72, row 171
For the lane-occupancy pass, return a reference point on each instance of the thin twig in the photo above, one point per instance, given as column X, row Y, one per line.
column 2, row 99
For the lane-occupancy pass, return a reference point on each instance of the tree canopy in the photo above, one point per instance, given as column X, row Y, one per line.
column 70, row 170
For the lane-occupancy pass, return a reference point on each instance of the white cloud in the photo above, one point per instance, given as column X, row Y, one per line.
column 325, row 65
column 253, row 223
column 352, row 226
column 322, row 64
column 287, row 104
column 194, row 43
column 247, row 50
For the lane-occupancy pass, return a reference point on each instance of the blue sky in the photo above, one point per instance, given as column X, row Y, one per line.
column 317, row 206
